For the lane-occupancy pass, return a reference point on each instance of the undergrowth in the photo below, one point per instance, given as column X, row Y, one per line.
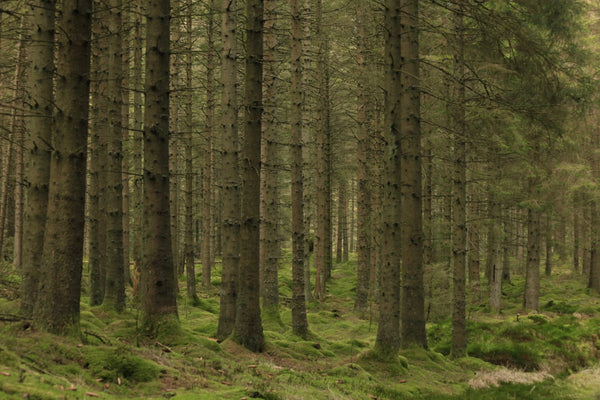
column 115, row 360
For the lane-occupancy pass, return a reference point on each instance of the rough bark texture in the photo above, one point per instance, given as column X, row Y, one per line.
column 269, row 249
column 532, row 273
column 98, row 155
column 208, row 168
column 114, row 295
column 248, row 325
column 299, row 320
column 231, row 175
column 459, row 194
column 322, row 257
column 188, row 252
column 157, row 291
column 387, row 343
column 39, row 100
column 496, row 267
column 57, row 307
column 363, row 202
column 413, row 298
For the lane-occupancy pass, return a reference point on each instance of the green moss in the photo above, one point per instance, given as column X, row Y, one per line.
column 114, row 363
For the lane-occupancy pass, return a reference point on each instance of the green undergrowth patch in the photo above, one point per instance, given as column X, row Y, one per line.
column 116, row 359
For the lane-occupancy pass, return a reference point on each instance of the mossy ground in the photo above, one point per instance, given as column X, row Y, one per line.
column 548, row 355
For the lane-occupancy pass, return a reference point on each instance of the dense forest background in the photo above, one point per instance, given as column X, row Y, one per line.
column 426, row 145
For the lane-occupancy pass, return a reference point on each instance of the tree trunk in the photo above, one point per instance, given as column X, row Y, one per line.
column 39, row 101
column 532, row 277
column 342, row 231
column 387, row 343
column 189, row 255
column 364, row 195
column 98, row 157
column 57, row 307
column 269, row 249
column 248, row 326
column 299, row 319
column 158, row 286
column 459, row 193
column 114, row 295
column 411, row 230
column 576, row 234
column 494, row 256
column 208, row 168
column 137, row 147
column 231, row 175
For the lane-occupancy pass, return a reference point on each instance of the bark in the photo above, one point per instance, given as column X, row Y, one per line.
column 549, row 245
column 459, row 193
column 496, row 267
column 576, row 234
column 473, row 242
column 342, row 231
column 114, row 295
column 363, row 175
column 427, row 203
column 322, row 257
column 299, row 319
column 411, row 231
column 387, row 342
column 532, row 272
column 208, row 168
column 248, row 325
column 157, row 291
column 189, row 255
column 231, row 174
column 39, row 100
column 269, row 249
column 97, row 261
column 7, row 181
column 137, row 146
column 57, row 307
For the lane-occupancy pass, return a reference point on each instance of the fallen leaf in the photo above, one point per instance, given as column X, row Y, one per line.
column 4, row 373
column 402, row 381
column 91, row 394
column 118, row 381
column 252, row 366
column 226, row 383
column 372, row 397
column 72, row 387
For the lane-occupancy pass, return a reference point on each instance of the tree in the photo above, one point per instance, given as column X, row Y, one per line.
column 208, row 167
column 158, row 293
column 387, row 342
column 411, row 231
column 363, row 174
column 231, row 172
column 269, row 249
column 248, row 325
column 39, row 99
column 459, row 190
column 57, row 307
column 114, row 295
column 299, row 320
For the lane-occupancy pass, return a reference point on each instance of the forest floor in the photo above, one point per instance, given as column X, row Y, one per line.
column 512, row 355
